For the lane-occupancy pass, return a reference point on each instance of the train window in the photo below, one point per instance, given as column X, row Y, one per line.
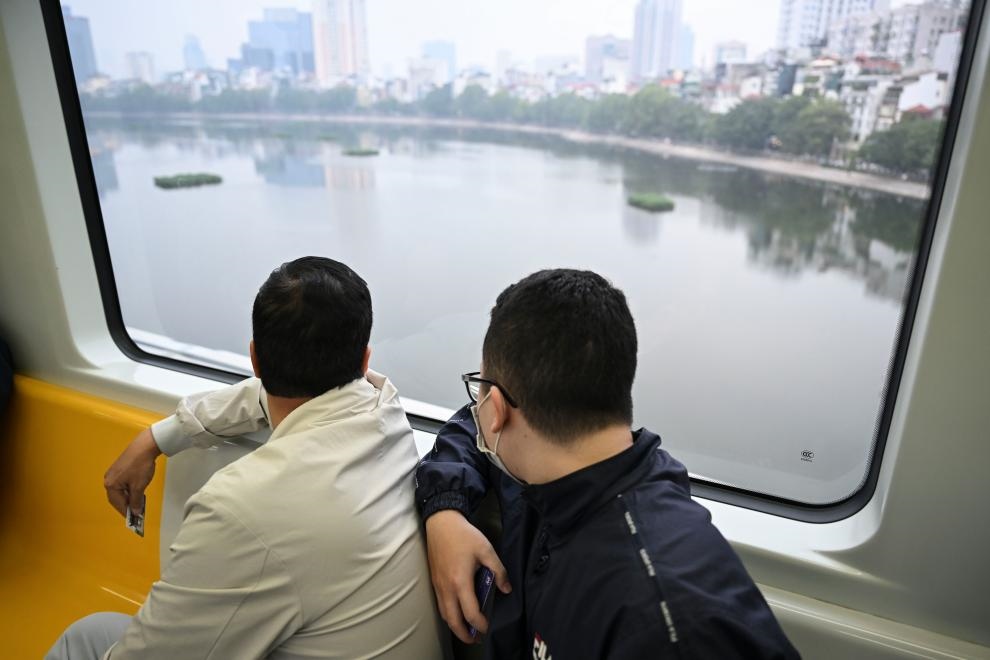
column 760, row 178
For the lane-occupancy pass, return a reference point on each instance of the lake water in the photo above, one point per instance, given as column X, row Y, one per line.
column 767, row 308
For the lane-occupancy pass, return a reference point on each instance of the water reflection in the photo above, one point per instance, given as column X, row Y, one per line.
column 287, row 169
column 309, row 165
column 104, row 169
column 794, row 226
column 640, row 226
column 791, row 226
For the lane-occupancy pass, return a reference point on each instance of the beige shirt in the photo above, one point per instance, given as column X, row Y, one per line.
column 309, row 547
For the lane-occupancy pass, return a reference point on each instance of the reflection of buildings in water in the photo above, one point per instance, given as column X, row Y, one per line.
column 640, row 226
column 713, row 214
column 888, row 271
column 104, row 170
column 340, row 177
column 782, row 254
column 403, row 145
column 304, row 165
column 417, row 147
column 884, row 269
column 286, row 170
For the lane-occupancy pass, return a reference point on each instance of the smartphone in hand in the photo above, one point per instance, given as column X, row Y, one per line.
column 484, row 579
column 135, row 521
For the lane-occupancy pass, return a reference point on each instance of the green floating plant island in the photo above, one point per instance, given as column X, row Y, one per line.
column 187, row 180
column 651, row 202
column 360, row 152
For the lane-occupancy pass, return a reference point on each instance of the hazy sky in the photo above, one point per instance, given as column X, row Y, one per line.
column 397, row 28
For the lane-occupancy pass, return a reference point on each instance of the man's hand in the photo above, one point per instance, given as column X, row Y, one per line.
column 456, row 549
column 131, row 473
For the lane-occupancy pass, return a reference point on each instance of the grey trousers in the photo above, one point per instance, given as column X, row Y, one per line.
column 89, row 637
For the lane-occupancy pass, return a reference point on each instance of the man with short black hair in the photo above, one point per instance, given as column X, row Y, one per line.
column 309, row 547
column 609, row 555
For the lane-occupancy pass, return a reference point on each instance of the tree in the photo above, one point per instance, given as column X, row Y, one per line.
column 569, row 110
column 339, row 99
column 237, row 100
column 142, row 98
column 749, row 125
column 785, row 117
column 295, row 100
column 655, row 112
column 439, row 102
column 503, row 107
column 607, row 113
column 910, row 145
column 815, row 128
column 472, row 101
column 392, row 106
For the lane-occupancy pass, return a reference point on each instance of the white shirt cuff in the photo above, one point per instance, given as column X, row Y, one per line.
column 169, row 437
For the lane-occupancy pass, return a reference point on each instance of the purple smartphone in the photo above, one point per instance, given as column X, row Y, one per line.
column 483, row 581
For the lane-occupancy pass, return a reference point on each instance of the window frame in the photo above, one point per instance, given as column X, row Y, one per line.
column 702, row 488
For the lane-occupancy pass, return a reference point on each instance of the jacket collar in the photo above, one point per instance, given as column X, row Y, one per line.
column 564, row 502
column 358, row 396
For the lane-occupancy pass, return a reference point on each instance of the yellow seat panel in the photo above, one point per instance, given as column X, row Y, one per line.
column 64, row 552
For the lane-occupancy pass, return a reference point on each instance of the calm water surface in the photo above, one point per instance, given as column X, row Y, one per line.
column 767, row 308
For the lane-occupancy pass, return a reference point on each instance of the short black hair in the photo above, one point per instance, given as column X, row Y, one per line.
column 311, row 324
column 563, row 344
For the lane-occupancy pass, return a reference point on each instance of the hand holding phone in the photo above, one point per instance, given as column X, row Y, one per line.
column 135, row 521
column 484, row 580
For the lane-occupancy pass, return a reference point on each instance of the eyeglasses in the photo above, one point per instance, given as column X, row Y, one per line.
column 473, row 381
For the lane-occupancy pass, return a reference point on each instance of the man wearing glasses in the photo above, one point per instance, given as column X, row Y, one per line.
column 605, row 553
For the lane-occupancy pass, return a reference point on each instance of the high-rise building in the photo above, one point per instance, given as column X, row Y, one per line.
column 80, row 45
column 340, row 40
column 425, row 75
column 603, row 54
column 685, row 49
column 655, row 32
column 445, row 52
column 946, row 57
column 281, row 41
column 192, row 54
column 730, row 52
column 908, row 34
column 859, row 34
column 912, row 31
column 805, row 23
column 141, row 66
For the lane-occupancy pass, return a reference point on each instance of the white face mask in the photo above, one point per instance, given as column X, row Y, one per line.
column 483, row 448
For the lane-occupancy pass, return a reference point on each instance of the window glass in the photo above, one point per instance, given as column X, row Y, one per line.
column 754, row 176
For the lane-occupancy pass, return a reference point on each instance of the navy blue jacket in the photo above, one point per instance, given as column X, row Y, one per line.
column 613, row 561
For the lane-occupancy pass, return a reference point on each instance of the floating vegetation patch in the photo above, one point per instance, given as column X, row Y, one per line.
column 360, row 152
column 187, row 180
column 653, row 202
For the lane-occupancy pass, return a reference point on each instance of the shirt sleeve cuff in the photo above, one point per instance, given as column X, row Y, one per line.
column 443, row 501
column 169, row 437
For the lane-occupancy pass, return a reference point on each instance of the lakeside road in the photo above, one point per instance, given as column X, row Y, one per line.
column 778, row 166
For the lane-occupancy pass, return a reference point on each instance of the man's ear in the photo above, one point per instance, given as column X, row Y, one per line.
column 254, row 359
column 366, row 360
column 500, row 410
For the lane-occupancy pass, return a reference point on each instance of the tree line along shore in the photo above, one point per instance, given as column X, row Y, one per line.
column 814, row 130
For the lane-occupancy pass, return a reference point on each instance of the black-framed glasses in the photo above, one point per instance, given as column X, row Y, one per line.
column 473, row 381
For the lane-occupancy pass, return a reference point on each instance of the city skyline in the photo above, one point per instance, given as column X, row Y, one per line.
column 556, row 28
